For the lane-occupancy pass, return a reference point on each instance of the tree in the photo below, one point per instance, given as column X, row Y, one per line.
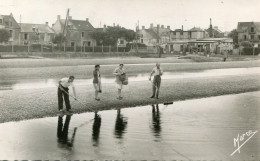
column 4, row 35
column 234, row 35
column 59, row 39
column 111, row 34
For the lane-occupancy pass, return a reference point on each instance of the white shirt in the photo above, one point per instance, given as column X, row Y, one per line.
column 157, row 71
column 64, row 82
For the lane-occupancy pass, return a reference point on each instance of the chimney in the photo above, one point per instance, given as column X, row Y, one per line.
column 11, row 14
column 114, row 24
column 143, row 27
column 87, row 19
column 58, row 17
column 162, row 26
column 70, row 17
column 105, row 26
column 137, row 28
column 52, row 25
column 182, row 27
column 151, row 25
column 117, row 25
column 46, row 23
column 168, row 27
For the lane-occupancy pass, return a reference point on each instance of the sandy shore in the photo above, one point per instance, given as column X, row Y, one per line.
column 37, row 103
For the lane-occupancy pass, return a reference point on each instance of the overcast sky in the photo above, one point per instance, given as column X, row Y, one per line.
column 224, row 13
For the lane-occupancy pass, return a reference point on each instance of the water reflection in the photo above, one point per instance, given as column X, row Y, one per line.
column 62, row 131
column 121, row 124
column 96, row 129
column 156, row 121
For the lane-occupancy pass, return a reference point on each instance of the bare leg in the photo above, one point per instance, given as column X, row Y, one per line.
column 119, row 93
column 96, row 94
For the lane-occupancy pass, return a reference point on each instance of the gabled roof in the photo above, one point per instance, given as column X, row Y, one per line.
column 152, row 33
column 196, row 29
column 217, row 29
column 9, row 17
column 40, row 28
column 244, row 26
column 78, row 24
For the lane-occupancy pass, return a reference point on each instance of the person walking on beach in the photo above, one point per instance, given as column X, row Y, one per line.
column 119, row 72
column 97, row 81
column 225, row 55
column 157, row 72
column 63, row 92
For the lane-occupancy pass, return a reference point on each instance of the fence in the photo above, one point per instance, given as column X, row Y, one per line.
column 51, row 48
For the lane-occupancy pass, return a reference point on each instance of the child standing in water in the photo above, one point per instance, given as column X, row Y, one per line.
column 97, row 81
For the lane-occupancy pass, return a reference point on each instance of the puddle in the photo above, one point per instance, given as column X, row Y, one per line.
column 35, row 84
column 193, row 129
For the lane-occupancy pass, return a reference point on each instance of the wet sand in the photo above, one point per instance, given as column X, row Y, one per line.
column 37, row 103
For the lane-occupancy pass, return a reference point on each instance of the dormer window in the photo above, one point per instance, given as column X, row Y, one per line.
column 252, row 29
column 82, row 34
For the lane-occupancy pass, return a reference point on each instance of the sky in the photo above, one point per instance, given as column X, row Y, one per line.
column 127, row 13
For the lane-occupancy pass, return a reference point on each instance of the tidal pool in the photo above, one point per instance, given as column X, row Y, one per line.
column 188, row 130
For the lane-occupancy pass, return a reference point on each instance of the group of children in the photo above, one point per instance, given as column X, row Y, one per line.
column 121, row 80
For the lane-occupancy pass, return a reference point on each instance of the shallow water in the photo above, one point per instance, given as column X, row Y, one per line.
column 34, row 84
column 193, row 129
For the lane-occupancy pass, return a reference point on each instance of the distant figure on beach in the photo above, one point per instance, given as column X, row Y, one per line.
column 97, row 81
column 120, row 74
column 225, row 55
column 157, row 72
column 63, row 92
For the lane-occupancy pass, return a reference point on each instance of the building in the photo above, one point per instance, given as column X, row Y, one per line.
column 148, row 37
column 248, row 31
column 192, row 34
column 214, row 32
column 77, row 31
column 154, row 36
column 9, row 23
column 36, row 34
column 213, row 45
column 180, row 38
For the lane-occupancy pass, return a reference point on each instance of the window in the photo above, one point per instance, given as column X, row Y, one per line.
column 1, row 21
column 121, row 41
column 190, row 34
column 181, row 33
column 89, row 43
column 259, row 37
column 252, row 37
column 82, row 34
column 252, row 29
column 244, row 37
column 11, row 33
column 72, row 44
column 142, row 40
column 25, row 36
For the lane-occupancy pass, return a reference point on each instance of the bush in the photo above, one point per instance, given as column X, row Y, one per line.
column 249, row 51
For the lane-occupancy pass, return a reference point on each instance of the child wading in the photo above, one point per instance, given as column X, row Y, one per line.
column 63, row 92
column 97, row 81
